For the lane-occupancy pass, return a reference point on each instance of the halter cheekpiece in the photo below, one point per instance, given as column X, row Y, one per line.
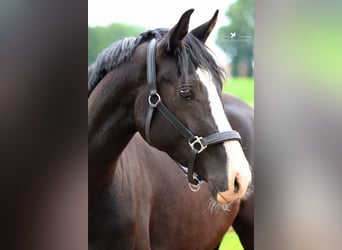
column 196, row 143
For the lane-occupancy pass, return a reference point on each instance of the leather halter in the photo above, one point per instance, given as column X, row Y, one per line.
column 196, row 143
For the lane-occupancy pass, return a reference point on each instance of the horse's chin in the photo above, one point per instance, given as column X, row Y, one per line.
column 222, row 202
column 215, row 206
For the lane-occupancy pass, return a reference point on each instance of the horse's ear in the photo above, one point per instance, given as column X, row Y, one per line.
column 203, row 31
column 179, row 31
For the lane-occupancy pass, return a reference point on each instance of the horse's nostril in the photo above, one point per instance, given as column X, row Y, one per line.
column 236, row 185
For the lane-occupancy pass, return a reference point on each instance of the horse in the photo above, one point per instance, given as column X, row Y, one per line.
column 165, row 85
column 165, row 186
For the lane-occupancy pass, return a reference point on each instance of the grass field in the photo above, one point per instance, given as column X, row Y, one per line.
column 231, row 242
column 243, row 88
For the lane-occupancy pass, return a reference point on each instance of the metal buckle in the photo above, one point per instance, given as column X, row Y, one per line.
column 155, row 95
column 197, row 142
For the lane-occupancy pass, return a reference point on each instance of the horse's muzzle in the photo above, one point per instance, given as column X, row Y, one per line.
column 236, row 191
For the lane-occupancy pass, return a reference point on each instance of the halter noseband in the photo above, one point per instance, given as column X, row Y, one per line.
column 196, row 143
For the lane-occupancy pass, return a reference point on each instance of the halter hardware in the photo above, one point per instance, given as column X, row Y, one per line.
column 197, row 143
column 194, row 187
column 198, row 181
column 154, row 100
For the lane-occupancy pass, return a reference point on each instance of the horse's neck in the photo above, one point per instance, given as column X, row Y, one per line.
column 110, row 125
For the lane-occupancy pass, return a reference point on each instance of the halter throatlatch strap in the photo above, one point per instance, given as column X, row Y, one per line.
column 196, row 143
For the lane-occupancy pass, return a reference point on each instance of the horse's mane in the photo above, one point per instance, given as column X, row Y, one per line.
column 122, row 51
column 116, row 54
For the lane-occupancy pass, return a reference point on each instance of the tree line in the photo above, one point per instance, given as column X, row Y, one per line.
column 236, row 38
column 101, row 37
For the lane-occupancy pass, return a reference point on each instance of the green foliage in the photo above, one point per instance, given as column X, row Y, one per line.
column 101, row 37
column 242, row 87
column 240, row 48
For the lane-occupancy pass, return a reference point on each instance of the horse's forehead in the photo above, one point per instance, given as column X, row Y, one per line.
column 170, row 67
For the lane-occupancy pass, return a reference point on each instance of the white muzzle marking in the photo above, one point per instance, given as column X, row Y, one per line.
column 237, row 167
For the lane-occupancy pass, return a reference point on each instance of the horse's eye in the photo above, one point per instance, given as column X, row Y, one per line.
column 186, row 93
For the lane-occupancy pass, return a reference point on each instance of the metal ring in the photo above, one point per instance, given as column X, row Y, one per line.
column 150, row 100
column 194, row 188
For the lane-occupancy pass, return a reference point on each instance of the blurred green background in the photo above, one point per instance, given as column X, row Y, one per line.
column 242, row 87
column 231, row 242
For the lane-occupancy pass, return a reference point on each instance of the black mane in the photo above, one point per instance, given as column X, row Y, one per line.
column 122, row 51
column 116, row 54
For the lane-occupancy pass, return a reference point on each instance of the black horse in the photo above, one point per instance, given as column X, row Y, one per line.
column 165, row 85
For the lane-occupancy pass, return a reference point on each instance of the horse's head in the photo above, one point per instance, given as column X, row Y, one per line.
column 180, row 110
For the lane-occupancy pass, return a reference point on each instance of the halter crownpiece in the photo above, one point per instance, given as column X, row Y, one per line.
column 196, row 143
